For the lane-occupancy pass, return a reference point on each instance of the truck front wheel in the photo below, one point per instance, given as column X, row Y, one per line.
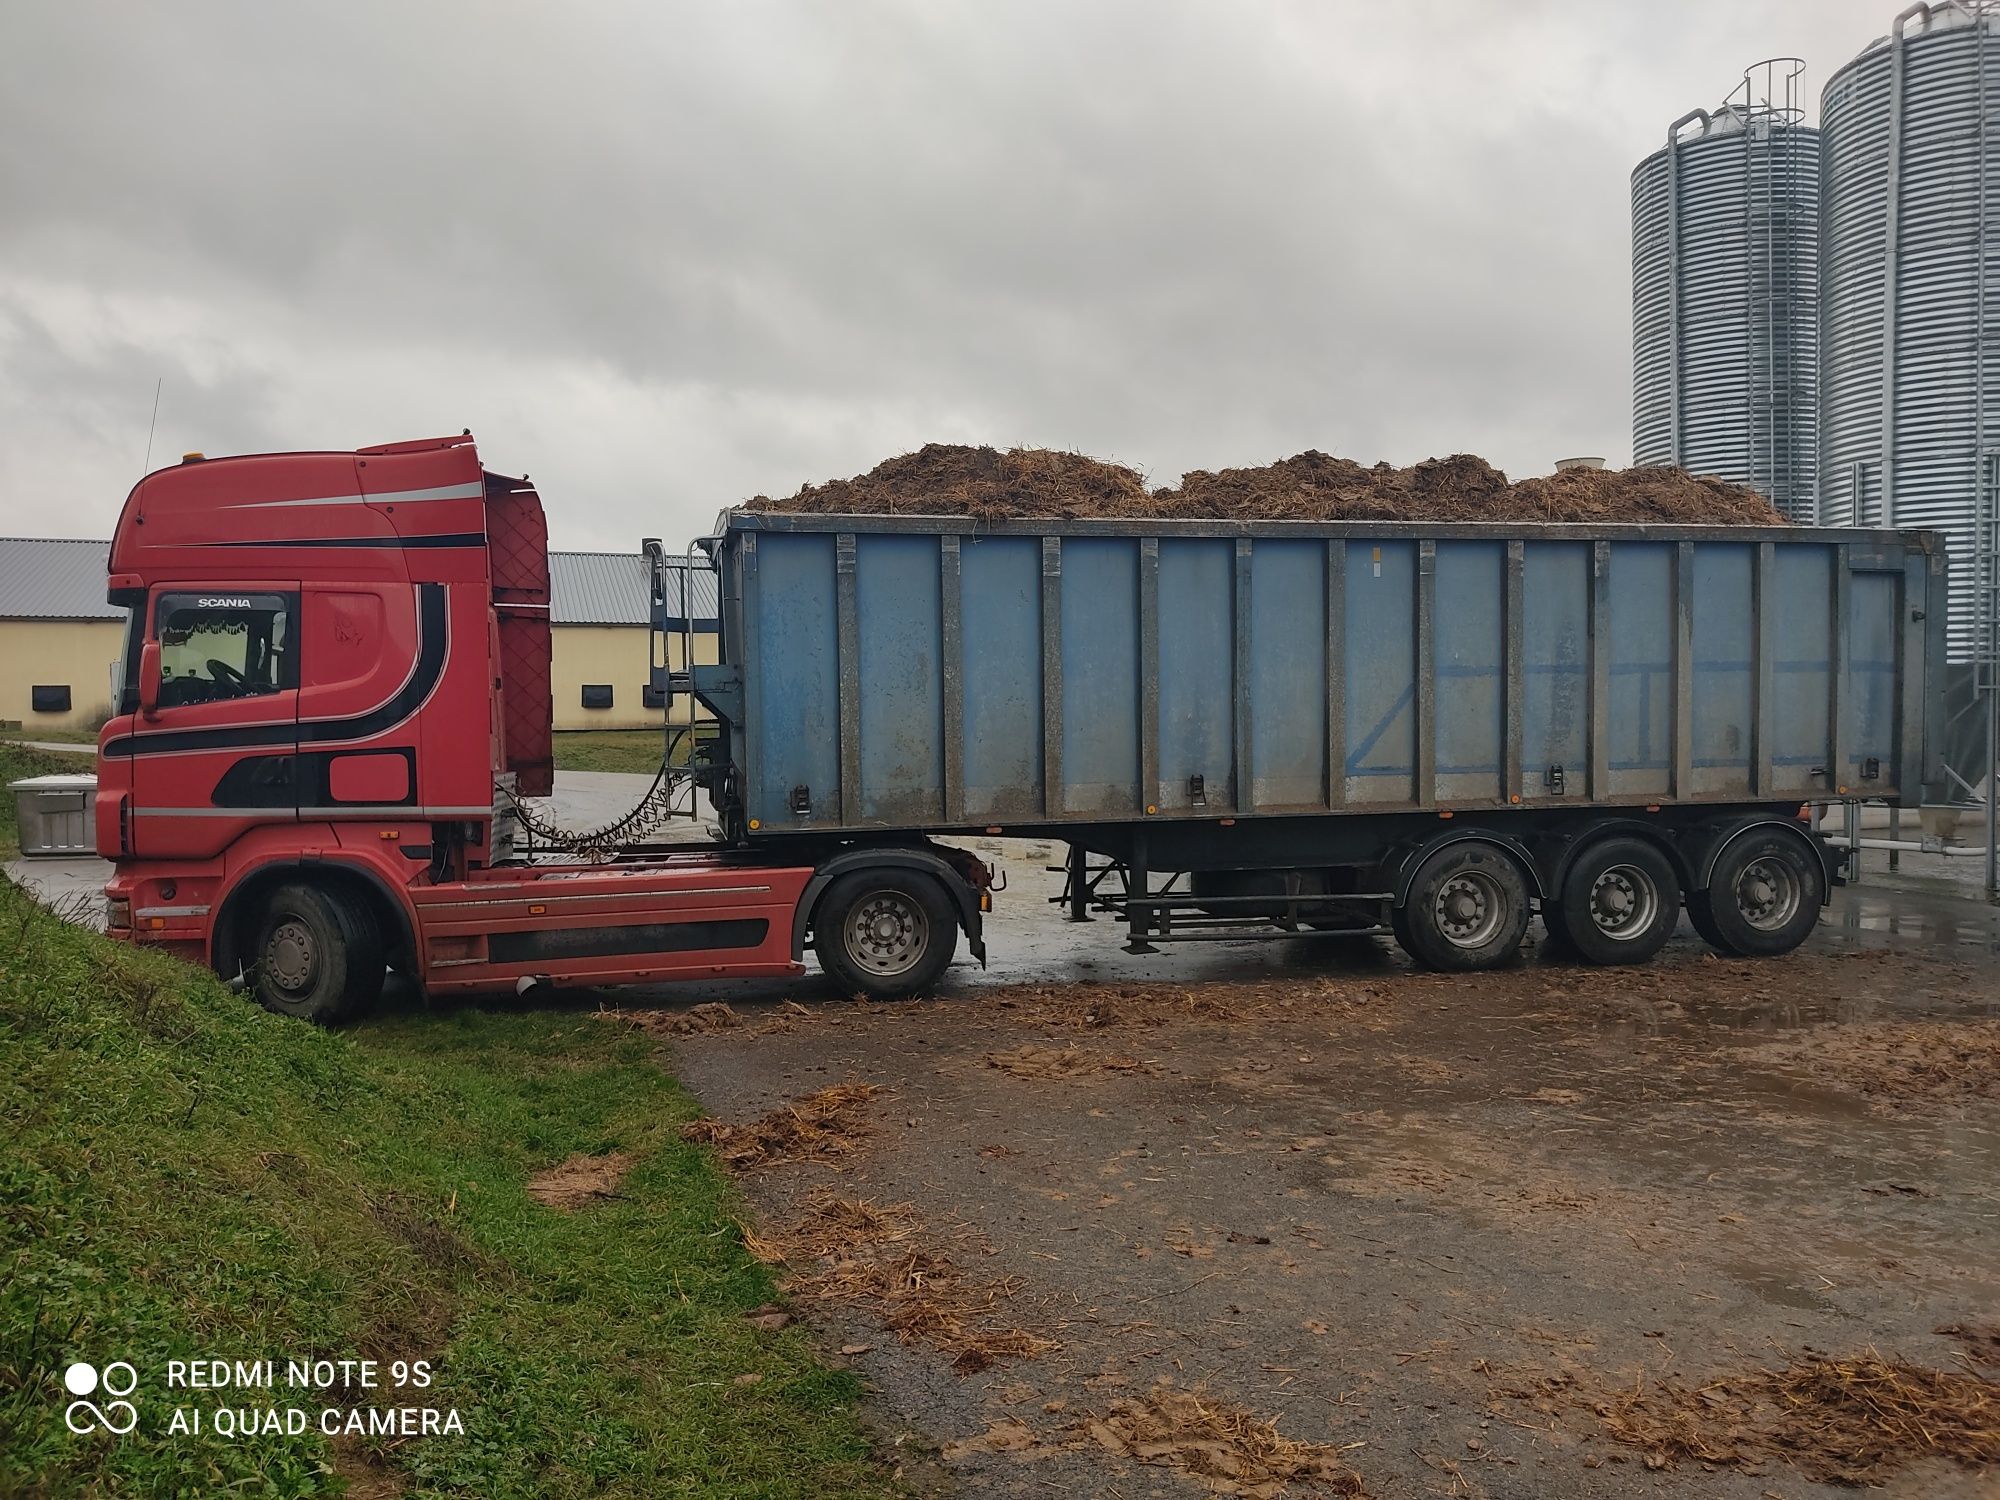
column 887, row 934
column 315, row 955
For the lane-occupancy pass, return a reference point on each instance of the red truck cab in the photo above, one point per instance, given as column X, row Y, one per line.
column 336, row 676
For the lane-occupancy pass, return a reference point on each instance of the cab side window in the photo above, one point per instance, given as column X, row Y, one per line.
column 221, row 646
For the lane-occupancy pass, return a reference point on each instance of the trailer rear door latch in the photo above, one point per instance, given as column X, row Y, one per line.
column 802, row 801
column 1198, row 791
column 1553, row 778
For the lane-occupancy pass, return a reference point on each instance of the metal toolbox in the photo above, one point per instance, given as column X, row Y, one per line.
column 54, row 814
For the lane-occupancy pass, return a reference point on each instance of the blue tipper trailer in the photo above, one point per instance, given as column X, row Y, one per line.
column 1298, row 727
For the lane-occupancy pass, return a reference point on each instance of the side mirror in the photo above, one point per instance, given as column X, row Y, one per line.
column 149, row 680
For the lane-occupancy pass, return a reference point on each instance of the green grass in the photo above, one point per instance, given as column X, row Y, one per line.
column 185, row 1176
column 18, row 762
column 634, row 750
column 85, row 737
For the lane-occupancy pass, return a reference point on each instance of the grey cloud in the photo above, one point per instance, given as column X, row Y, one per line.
column 665, row 256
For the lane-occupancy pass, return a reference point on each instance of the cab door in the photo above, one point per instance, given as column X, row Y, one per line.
column 216, row 754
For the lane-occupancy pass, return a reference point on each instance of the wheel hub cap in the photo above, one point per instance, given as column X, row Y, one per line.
column 289, row 956
column 1469, row 909
column 1624, row 902
column 887, row 933
column 1768, row 894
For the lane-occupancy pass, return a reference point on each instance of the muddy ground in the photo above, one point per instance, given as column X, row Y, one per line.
column 1390, row 1211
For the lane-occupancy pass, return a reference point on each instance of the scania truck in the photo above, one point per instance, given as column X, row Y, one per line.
column 335, row 703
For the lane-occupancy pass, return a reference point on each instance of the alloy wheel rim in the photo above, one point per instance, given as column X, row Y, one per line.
column 887, row 933
column 1624, row 902
column 1469, row 909
column 1768, row 893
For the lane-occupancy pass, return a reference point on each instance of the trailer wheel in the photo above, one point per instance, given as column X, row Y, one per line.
column 316, row 956
column 1466, row 908
column 885, row 933
column 1620, row 902
column 1763, row 895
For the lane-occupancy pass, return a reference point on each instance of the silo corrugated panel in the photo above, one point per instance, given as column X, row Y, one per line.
column 1909, row 169
column 1725, row 295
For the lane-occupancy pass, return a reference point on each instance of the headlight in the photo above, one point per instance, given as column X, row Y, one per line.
column 118, row 912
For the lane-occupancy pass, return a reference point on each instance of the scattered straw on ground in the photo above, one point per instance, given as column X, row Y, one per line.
column 1091, row 1007
column 1903, row 1064
column 580, row 1180
column 988, row 484
column 1981, row 1341
column 1216, row 1442
column 826, row 1126
column 1193, row 1432
column 1034, row 1060
column 885, row 1258
column 698, row 1020
column 1838, row 1421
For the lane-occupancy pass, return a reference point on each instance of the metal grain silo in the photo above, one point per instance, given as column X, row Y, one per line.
column 1908, row 380
column 1725, row 292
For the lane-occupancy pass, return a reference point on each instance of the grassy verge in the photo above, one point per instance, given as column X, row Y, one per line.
column 634, row 750
column 19, row 761
column 184, row 1176
column 84, row 737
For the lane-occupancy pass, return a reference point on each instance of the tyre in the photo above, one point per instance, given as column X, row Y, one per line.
column 316, row 956
column 1763, row 895
column 1466, row 908
column 887, row 933
column 367, row 961
column 1620, row 902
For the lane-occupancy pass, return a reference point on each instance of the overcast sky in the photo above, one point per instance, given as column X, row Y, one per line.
column 666, row 256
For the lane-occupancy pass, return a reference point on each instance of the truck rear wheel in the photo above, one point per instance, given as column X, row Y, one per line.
column 316, row 956
column 1763, row 895
column 1620, row 902
column 887, row 934
column 1466, row 908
